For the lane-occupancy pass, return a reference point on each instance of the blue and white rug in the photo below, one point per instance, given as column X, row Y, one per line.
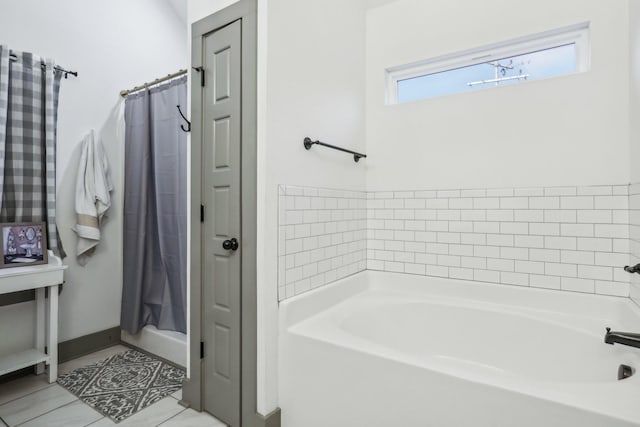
column 123, row 384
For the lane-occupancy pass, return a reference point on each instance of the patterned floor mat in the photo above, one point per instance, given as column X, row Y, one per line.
column 123, row 384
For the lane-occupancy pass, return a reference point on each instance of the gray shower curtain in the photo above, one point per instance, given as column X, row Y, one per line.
column 155, row 210
column 29, row 89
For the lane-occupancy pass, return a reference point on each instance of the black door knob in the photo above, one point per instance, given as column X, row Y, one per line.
column 231, row 244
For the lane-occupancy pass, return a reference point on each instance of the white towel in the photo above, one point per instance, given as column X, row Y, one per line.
column 93, row 185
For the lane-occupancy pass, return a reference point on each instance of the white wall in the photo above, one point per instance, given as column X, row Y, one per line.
column 634, row 89
column 375, row 3
column 198, row 9
column 313, row 86
column 571, row 130
column 113, row 45
column 634, row 144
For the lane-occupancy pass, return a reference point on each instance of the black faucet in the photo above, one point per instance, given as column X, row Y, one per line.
column 624, row 338
column 634, row 269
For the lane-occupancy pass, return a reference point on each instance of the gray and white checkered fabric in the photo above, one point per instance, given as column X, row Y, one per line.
column 29, row 88
column 4, row 106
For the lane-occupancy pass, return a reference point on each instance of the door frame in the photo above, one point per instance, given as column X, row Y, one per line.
column 245, row 10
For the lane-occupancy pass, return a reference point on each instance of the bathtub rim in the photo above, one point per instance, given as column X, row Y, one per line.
column 308, row 304
column 168, row 345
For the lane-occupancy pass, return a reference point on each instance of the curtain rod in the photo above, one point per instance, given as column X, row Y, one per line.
column 13, row 57
column 153, row 83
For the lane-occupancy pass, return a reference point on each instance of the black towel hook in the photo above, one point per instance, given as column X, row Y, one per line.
column 188, row 129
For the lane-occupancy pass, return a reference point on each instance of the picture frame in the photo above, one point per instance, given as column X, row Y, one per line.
column 23, row 244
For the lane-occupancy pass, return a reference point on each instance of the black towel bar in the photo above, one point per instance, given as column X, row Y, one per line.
column 308, row 143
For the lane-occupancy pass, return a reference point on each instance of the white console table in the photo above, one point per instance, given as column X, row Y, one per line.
column 36, row 277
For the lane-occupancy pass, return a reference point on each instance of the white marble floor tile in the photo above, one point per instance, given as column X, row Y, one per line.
column 148, row 417
column 35, row 404
column 75, row 414
column 22, row 386
column 103, row 422
column 69, row 366
column 193, row 418
column 177, row 395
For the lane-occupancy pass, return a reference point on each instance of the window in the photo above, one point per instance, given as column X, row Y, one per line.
column 539, row 56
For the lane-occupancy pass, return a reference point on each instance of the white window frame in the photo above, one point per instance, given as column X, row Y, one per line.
column 574, row 34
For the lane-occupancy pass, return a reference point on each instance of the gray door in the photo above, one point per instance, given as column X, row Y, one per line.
column 221, row 198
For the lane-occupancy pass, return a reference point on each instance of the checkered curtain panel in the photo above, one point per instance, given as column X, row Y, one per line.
column 29, row 88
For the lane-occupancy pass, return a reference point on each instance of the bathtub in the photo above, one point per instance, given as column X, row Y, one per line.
column 388, row 349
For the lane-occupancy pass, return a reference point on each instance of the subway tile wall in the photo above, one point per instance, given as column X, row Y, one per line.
column 322, row 237
column 634, row 238
column 567, row 238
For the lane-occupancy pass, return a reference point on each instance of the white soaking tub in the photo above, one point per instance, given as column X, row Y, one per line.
column 388, row 349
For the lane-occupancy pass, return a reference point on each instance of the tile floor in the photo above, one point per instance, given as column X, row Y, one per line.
column 33, row 402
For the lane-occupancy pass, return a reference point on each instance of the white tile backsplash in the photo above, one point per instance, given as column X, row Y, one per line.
column 322, row 236
column 634, row 239
column 566, row 238
column 569, row 238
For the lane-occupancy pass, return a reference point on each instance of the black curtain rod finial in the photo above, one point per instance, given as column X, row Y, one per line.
column 66, row 72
